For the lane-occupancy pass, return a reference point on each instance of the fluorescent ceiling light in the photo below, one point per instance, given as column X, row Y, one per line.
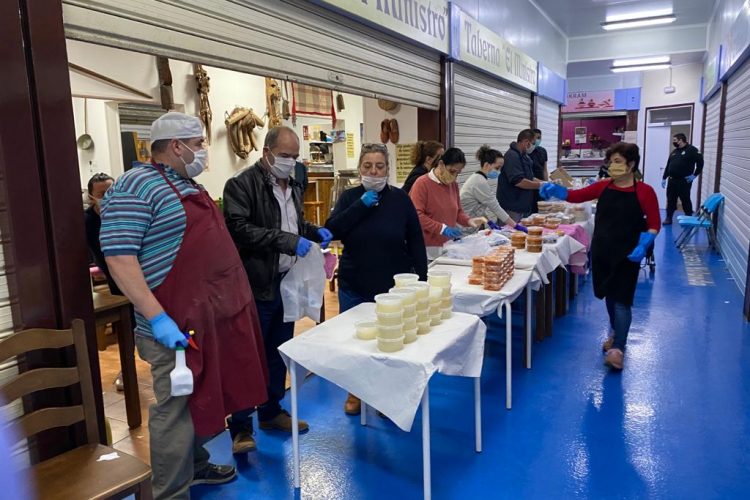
column 642, row 67
column 639, row 23
column 639, row 15
column 637, row 61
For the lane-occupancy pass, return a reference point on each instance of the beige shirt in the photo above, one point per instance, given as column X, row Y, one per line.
column 289, row 221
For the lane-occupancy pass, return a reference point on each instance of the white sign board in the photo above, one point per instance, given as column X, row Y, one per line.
column 479, row 46
column 425, row 21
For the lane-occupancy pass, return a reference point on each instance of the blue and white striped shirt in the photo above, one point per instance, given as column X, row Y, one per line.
column 142, row 216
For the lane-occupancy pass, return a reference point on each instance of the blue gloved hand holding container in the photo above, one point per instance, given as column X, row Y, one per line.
column 453, row 233
column 166, row 331
column 552, row 190
column 326, row 236
column 303, row 247
column 370, row 198
column 639, row 252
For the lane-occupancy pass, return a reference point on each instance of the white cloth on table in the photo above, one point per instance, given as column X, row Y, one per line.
column 392, row 383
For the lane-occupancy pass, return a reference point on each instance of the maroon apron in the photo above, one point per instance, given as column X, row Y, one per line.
column 207, row 291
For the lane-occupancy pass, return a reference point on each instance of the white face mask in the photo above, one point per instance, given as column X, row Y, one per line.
column 374, row 183
column 198, row 165
column 282, row 167
column 530, row 149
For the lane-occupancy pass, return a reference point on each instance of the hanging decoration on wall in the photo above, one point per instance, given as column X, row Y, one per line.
column 165, row 82
column 273, row 103
column 309, row 100
column 340, row 106
column 240, row 125
column 286, row 111
column 202, row 84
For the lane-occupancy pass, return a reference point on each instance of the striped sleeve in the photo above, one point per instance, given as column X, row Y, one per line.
column 125, row 220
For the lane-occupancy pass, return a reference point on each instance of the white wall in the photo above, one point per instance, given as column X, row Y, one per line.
column 606, row 82
column 725, row 14
column 407, row 124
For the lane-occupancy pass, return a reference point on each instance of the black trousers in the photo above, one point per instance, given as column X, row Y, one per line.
column 678, row 187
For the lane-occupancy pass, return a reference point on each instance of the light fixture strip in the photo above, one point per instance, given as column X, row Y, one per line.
column 637, row 23
column 641, row 60
column 641, row 67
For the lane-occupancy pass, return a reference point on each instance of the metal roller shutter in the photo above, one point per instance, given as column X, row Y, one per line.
column 486, row 111
column 289, row 39
column 710, row 145
column 548, row 121
column 734, row 217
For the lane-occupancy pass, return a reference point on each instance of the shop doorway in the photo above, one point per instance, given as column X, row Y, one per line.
column 662, row 123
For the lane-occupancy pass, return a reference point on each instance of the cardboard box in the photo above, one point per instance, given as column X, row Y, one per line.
column 562, row 177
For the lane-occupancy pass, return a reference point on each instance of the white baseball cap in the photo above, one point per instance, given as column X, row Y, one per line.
column 174, row 125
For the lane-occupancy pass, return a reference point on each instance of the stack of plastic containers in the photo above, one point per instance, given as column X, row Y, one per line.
column 390, row 312
column 440, row 280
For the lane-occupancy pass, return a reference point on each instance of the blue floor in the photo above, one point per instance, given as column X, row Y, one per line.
column 674, row 424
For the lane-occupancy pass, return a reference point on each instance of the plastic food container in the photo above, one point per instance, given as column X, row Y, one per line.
column 446, row 314
column 390, row 331
column 391, row 345
column 385, row 302
column 423, row 315
column 447, row 302
column 439, row 278
column 423, row 327
column 390, row 319
column 405, row 279
column 422, row 288
column 366, row 330
column 410, row 311
column 436, row 294
column 410, row 335
column 446, row 291
column 423, row 304
column 410, row 322
column 435, row 310
column 408, row 294
column 436, row 319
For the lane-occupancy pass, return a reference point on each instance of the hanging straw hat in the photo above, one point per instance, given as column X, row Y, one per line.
column 386, row 105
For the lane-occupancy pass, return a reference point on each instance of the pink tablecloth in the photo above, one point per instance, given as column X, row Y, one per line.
column 579, row 259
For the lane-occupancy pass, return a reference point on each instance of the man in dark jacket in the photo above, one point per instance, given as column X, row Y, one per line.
column 684, row 165
column 263, row 211
column 517, row 184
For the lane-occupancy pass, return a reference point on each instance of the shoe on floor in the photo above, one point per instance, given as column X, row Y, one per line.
column 614, row 359
column 243, row 442
column 666, row 222
column 607, row 345
column 119, row 386
column 283, row 422
column 215, row 474
column 353, row 405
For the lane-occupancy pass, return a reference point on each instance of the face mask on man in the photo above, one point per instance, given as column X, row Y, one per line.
column 676, row 144
column 538, row 142
column 282, row 167
column 493, row 174
column 376, row 184
column 444, row 176
column 198, row 164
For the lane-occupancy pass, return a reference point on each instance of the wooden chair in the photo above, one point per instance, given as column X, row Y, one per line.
column 75, row 474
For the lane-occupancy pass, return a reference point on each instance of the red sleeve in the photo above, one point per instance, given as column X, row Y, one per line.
column 649, row 205
column 419, row 194
column 588, row 193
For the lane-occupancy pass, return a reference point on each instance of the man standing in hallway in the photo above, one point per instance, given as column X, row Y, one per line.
column 684, row 165
column 169, row 251
column 263, row 211
column 517, row 184
column 538, row 156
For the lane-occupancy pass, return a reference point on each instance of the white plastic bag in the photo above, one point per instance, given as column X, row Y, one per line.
column 474, row 245
column 302, row 287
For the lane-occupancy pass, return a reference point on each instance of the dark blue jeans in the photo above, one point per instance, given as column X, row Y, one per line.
column 275, row 332
column 620, row 317
column 349, row 299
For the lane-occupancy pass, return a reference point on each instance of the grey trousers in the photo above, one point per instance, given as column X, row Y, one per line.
column 176, row 452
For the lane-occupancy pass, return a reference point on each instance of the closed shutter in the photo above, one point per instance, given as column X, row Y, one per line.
column 734, row 217
column 548, row 121
column 486, row 111
column 290, row 39
column 710, row 145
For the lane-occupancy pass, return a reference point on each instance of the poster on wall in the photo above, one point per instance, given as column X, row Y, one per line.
column 349, row 145
column 586, row 101
column 580, row 134
column 403, row 161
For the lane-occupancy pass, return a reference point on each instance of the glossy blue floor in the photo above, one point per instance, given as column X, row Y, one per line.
column 674, row 424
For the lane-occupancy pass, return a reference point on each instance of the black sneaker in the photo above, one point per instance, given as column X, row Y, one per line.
column 215, row 474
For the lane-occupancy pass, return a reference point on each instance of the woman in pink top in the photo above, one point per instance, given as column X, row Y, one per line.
column 438, row 205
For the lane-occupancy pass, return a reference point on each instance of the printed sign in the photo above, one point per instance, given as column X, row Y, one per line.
column 349, row 145
column 403, row 162
column 425, row 21
column 587, row 101
column 479, row 46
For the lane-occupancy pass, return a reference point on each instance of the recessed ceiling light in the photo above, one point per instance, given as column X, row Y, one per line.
column 642, row 67
column 611, row 18
column 636, row 61
column 638, row 23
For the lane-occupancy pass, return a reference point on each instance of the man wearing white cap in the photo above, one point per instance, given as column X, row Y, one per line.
column 169, row 251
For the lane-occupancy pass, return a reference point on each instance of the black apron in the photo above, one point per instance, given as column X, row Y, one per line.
column 619, row 224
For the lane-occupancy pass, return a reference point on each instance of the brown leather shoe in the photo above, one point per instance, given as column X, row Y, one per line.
column 607, row 345
column 353, row 405
column 614, row 359
column 283, row 422
column 243, row 442
column 385, row 131
column 394, row 133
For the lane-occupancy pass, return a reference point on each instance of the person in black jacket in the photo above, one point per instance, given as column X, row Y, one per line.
column 263, row 212
column 684, row 165
column 380, row 230
column 517, row 184
column 424, row 156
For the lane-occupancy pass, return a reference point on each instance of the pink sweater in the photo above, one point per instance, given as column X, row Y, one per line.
column 437, row 204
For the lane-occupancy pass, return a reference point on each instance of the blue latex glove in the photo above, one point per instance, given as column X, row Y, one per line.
column 639, row 252
column 303, row 247
column 370, row 198
column 519, row 227
column 453, row 233
column 552, row 190
column 664, row 183
column 690, row 178
column 326, row 235
column 492, row 225
column 166, row 331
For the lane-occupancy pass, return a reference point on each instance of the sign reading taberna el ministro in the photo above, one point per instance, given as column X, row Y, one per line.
column 425, row 21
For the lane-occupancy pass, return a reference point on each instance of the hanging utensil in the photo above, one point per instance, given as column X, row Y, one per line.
column 85, row 141
column 285, row 110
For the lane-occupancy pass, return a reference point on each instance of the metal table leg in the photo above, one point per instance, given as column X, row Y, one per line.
column 528, row 326
column 478, row 414
column 363, row 413
column 426, row 443
column 295, row 423
column 508, row 357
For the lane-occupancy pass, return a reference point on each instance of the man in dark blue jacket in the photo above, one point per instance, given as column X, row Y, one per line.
column 517, row 184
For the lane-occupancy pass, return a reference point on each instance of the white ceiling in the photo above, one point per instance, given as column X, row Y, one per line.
column 584, row 17
column 595, row 68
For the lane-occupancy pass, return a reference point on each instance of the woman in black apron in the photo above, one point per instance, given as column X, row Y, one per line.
column 627, row 222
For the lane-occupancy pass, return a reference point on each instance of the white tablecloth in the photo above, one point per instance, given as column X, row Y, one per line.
column 390, row 382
